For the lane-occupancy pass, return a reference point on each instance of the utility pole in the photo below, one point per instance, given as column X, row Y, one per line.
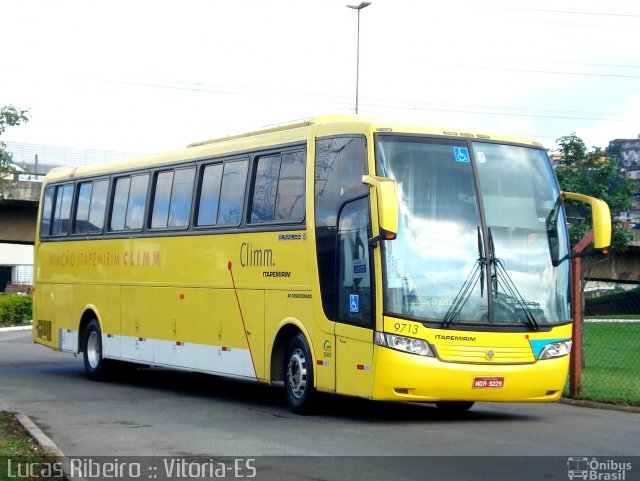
column 358, row 8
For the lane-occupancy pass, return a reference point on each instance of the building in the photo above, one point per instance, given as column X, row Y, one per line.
column 16, row 265
column 628, row 151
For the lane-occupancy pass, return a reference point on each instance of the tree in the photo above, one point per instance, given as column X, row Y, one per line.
column 595, row 174
column 10, row 116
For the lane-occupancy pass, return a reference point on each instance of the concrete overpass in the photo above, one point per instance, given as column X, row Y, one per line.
column 18, row 211
column 616, row 267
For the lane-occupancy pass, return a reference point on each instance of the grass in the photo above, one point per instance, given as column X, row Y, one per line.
column 611, row 372
column 17, row 446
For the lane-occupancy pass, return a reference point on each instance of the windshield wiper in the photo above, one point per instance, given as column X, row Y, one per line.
column 467, row 287
column 509, row 286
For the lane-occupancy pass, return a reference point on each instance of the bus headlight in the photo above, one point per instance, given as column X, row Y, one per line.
column 555, row 349
column 404, row 344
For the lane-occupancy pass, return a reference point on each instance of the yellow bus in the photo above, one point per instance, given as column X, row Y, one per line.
column 340, row 255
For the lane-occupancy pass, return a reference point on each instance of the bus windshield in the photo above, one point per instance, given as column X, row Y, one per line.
column 481, row 234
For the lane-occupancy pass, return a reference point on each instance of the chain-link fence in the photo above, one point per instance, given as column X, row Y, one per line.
column 611, row 348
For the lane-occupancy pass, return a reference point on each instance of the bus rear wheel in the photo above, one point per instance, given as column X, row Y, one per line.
column 298, row 375
column 95, row 365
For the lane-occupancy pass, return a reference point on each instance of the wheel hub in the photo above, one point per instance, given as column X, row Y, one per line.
column 93, row 350
column 297, row 373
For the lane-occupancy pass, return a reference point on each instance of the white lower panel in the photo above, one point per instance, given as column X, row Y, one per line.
column 111, row 346
column 199, row 357
column 68, row 340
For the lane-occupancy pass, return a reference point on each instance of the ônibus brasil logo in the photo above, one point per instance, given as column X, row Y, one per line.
column 593, row 469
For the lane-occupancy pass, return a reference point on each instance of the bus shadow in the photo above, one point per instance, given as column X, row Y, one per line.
column 393, row 412
column 255, row 396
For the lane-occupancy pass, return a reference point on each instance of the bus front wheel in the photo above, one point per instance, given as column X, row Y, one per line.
column 298, row 375
column 95, row 365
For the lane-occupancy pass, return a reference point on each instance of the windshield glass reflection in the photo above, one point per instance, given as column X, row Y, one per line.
column 442, row 267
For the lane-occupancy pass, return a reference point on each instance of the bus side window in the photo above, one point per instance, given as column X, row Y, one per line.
column 290, row 201
column 137, row 201
column 45, row 226
column 129, row 202
column 120, row 199
column 234, row 181
column 62, row 209
column 222, row 193
column 172, row 198
column 209, row 195
column 265, row 189
column 91, row 206
column 278, row 194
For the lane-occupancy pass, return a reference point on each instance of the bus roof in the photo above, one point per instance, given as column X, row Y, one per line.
column 330, row 124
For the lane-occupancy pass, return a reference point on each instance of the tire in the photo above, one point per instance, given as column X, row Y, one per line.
column 453, row 407
column 96, row 366
column 298, row 376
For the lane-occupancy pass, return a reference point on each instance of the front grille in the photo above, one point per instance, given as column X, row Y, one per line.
column 485, row 355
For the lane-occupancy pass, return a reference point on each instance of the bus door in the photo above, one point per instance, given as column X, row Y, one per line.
column 354, row 328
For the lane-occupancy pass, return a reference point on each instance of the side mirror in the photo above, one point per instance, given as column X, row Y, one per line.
column 387, row 203
column 601, row 218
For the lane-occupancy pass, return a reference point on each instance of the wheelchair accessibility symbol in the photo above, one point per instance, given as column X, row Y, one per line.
column 461, row 154
column 354, row 303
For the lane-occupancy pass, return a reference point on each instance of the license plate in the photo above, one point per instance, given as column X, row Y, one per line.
column 488, row 382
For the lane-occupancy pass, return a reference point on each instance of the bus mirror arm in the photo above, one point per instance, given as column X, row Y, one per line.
column 384, row 235
column 588, row 253
column 387, row 206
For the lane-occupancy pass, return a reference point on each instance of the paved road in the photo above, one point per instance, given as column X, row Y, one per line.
column 162, row 412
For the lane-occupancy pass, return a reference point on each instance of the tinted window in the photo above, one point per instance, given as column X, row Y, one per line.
column 210, row 195
column 120, row 199
column 137, row 201
column 82, row 209
column 265, row 190
column 62, row 209
column 172, row 198
column 234, row 179
column 181, row 194
column 45, row 228
column 162, row 197
column 278, row 194
column 290, row 202
column 339, row 166
column 129, row 202
column 92, row 201
column 98, row 205
column 354, row 268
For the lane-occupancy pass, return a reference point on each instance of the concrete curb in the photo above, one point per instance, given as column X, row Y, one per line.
column 596, row 405
column 47, row 445
column 36, row 433
column 16, row 328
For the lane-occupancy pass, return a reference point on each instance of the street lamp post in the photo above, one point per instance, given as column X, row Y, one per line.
column 358, row 8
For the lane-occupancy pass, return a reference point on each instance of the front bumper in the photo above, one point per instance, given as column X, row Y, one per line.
column 408, row 377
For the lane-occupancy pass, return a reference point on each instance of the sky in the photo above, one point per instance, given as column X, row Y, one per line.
column 147, row 76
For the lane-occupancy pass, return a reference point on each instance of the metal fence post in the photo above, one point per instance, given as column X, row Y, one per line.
column 575, row 360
